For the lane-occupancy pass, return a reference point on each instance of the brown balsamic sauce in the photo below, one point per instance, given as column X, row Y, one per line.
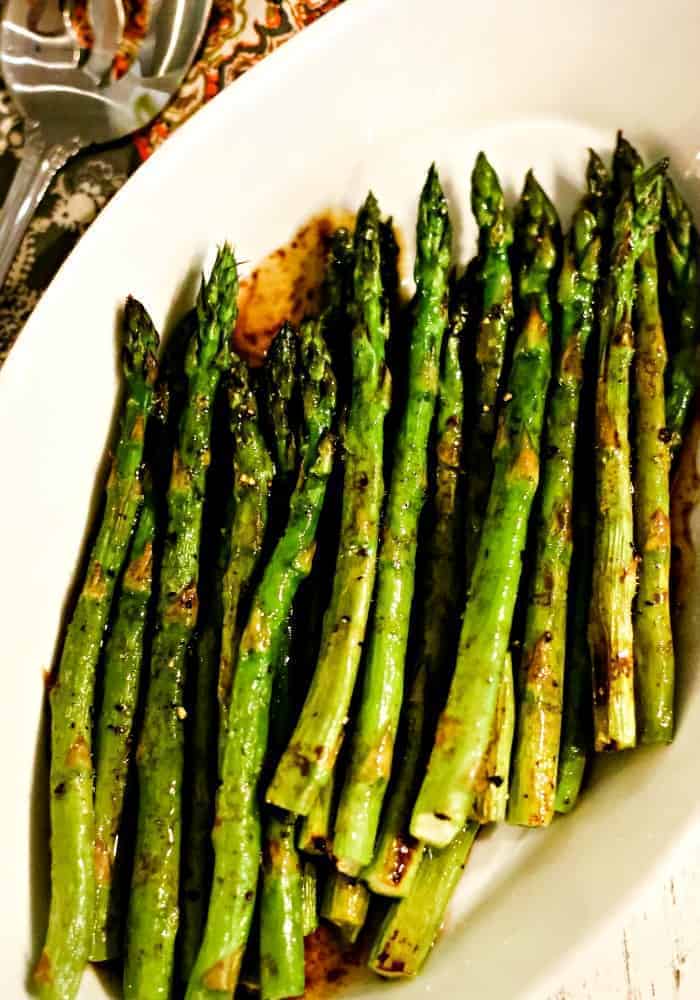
column 286, row 285
column 331, row 967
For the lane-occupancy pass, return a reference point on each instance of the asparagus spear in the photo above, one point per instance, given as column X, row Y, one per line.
column 398, row 854
column 598, row 199
column 577, row 721
column 466, row 725
column 121, row 672
column 345, row 904
column 653, row 640
column 310, row 756
column 542, row 664
column 680, row 243
column 281, row 912
column 281, row 920
column 315, row 830
column 372, row 752
column 493, row 790
column 495, row 292
column 627, row 166
column 237, row 834
column 71, row 914
column 495, row 296
column 411, row 925
column 610, row 634
column 242, row 540
column 153, row 910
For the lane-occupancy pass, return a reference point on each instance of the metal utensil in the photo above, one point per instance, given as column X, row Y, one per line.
column 68, row 106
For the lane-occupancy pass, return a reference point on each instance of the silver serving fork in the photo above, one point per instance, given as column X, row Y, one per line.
column 68, row 106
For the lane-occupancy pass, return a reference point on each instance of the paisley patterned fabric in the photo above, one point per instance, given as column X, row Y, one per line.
column 240, row 33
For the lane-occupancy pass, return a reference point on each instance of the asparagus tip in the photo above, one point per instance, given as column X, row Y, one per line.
column 140, row 343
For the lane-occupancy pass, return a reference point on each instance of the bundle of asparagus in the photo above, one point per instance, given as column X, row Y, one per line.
column 543, row 395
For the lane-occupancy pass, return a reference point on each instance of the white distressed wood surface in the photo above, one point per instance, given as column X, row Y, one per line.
column 651, row 951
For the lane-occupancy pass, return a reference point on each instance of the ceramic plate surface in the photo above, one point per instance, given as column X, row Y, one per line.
column 379, row 89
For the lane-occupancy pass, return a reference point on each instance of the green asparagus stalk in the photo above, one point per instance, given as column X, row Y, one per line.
column 121, row 672
column 309, row 898
column 411, row 925
column 253, row 472
column 653, row 640
column 610, row 632
column 281, row 898
column 495, row 295
column 315, row 830
column 310, row 756
column 680, row 244
column 577, row 721
column 281, row 912
column 491, row 801
column 279, row 376
column 542, row 665
column 466, row 725
column 345, row 904
column 237, row 828
column 153, row 910
column 242, row 537
column 71, row 914
column 369, row 768
column 398, row 854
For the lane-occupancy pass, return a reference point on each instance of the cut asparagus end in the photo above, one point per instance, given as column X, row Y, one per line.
column 411, row 926
column 395, row 867
column 345, row 905
column 436, row 829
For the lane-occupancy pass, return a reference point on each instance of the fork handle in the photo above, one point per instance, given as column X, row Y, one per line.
column 40, row 161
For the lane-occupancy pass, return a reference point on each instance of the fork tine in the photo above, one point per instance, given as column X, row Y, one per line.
column 107, row 20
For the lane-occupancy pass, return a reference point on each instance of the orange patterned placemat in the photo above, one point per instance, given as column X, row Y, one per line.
column 239, row 34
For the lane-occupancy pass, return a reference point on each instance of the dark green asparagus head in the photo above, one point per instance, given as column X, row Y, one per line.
column 369, row 306
column 434, row 231
column 489, row 207
column 279, row 378
column 680, row 236
column 627, row 164
column 139, row 349
column 598, row 197
column 637, row 215
column 537, row 237
column 250, row 452
column 318, row 388
column 217, row 306
column 585, row 243
column 581, row 258
column 337, row 286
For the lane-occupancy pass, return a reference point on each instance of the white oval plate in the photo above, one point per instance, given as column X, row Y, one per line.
column 370, row 95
